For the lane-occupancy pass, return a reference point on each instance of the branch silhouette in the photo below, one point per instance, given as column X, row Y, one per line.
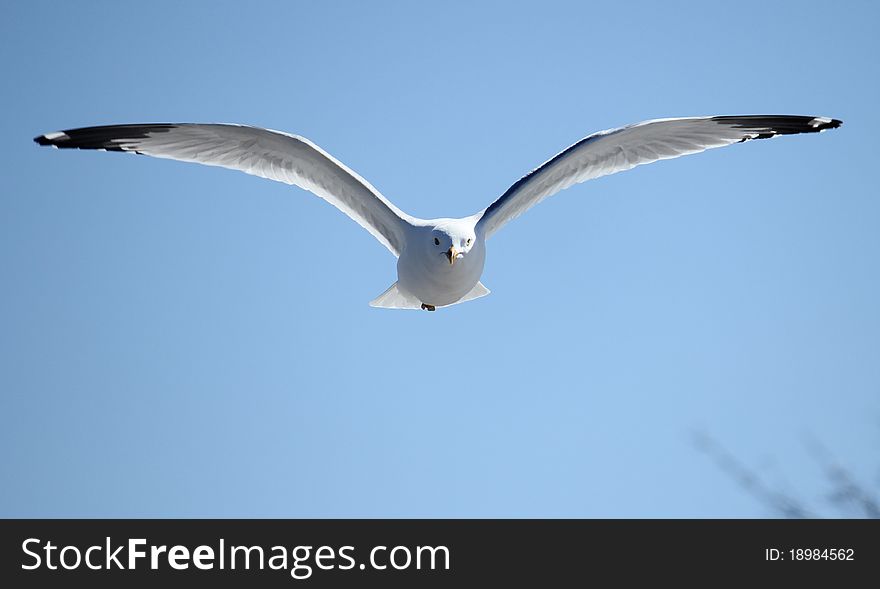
column 846, row 494
column 782, row 503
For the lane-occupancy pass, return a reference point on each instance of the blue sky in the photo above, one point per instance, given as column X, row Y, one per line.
column 186, row 341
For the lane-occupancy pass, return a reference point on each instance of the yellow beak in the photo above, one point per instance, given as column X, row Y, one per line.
column 451, row 254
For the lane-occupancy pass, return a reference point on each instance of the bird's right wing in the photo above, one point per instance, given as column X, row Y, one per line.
column 261, row 152
column 616, row 150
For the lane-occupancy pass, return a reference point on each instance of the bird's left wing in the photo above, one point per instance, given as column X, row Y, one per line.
column 261, row 152
column 616, row 150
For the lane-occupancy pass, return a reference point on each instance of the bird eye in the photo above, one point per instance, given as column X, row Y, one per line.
column 469, row 241
column 436, row 241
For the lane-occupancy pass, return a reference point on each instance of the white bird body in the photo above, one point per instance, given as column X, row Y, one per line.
column 440, row 261
column 424, row 269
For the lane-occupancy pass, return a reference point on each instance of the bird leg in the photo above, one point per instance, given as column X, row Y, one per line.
column 428, row 307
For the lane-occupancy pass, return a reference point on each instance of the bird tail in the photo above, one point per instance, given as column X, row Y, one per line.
column 394, row 298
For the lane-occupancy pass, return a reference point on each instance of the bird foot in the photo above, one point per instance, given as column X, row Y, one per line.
column 428, row 307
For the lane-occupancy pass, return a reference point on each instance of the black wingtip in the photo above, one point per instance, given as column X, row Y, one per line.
column 767, row 126
column 822, row 123
column 47, row 139
column 108, row 137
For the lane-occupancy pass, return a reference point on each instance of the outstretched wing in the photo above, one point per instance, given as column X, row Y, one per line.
column 616, row 150
column 261, row 152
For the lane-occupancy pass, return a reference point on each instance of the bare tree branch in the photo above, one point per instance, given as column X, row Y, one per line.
column 846, row 493
column 748, row 479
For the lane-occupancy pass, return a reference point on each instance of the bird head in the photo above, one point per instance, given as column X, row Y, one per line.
column 451, row 242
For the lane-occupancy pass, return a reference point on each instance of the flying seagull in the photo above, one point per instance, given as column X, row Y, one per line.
column 439, row 261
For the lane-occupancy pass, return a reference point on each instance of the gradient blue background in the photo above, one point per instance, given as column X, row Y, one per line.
column 179, row 340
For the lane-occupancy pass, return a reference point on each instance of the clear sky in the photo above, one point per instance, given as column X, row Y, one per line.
column 178, row 340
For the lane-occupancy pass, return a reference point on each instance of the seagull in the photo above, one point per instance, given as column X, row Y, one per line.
column 439, row 261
